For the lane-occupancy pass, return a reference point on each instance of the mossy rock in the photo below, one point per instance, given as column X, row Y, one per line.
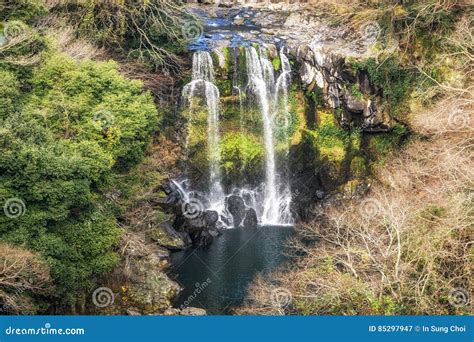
column 242, row 156
column 276, row 62
column 155, row 291
column 164, row 238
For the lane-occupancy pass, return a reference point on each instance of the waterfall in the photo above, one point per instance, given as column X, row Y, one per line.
column 271, row 201
column 281, row 103
column 203, row 80
column 259, row 77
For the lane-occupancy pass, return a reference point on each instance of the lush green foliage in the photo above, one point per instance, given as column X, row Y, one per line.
column 24, row 10
column 241, row 155
column 59, row 143
column 91, row 101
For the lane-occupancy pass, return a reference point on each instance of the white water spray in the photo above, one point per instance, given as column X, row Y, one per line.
column 259, row 77
column 283, row 118
column 203, row 80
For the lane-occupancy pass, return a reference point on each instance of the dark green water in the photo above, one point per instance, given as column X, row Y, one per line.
column 217, row 278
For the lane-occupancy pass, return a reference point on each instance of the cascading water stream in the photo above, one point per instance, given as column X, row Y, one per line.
column 281, row 104
column 257, row 71
column 203, row 80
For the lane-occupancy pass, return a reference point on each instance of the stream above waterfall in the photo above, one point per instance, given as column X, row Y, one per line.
column 217, row 278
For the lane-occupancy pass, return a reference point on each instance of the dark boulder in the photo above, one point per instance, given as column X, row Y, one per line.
column 250, row 220
column 236, row 207
column 192, row 224
column 211, row 217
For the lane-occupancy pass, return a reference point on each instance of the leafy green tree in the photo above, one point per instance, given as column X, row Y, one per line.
column 77, row 125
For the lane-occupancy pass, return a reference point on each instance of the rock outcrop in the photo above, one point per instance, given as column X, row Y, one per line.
column 192, row 224
column 139, row 285
column 236, row 206
column 320, row 51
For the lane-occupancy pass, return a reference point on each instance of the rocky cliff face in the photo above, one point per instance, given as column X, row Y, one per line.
column 322, row 53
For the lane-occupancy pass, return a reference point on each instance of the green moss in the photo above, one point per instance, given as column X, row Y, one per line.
column 241, row 155
column 354, row 91
column 395, row 81
column 329, row 139
column 358, row 168
column 227, row 60
column 276, row 63
column 225, row 87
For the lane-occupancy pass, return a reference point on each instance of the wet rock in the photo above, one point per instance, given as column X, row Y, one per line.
column 236, row 207
column 354, row 104
column 238, row 21
column 225, row 220
column 193, row 312
column 162, row 252
column 211, row 217
column 192, row 225
column 251, row 220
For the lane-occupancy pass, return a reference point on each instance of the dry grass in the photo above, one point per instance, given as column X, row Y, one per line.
column 77, row 49
column 400, row 250
column 22, row 274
